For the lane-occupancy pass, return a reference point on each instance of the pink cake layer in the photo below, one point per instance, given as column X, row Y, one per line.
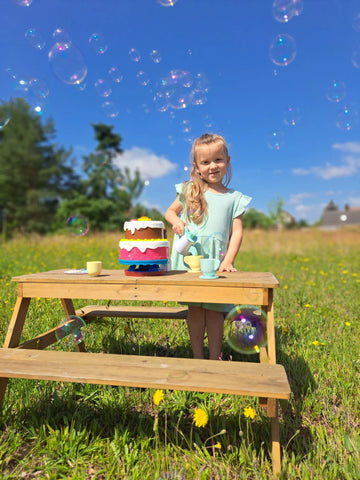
column 135, row 255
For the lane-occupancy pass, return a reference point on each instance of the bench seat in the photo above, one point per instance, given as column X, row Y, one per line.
column 131, row 311
column 237, row 378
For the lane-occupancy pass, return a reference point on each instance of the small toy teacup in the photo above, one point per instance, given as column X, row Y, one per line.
column 93, row 268
column 209, row 267
column 193, row 261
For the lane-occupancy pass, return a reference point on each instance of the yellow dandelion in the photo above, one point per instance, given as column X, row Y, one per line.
column 158, row 397
column 218, row 445
column 249, row 412
column 284, row 330
column 307, row 305
column 285, row 287
column 315, row 342
column 347, row 324
column 200, row 417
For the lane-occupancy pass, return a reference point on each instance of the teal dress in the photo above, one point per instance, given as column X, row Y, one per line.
column 213, row 234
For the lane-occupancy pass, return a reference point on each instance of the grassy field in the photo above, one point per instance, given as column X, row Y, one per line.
column 70, row 431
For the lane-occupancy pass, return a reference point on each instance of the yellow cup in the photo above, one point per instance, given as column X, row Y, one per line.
column 193, row 262
column 93, row 268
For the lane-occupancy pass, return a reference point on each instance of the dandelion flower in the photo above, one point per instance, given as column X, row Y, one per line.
column 307, row 305
column 218, row 445
column 347, row 324
column 200, row 417
column 249, row 412
column 158, row 396
column 284, row 330
column 315, row 342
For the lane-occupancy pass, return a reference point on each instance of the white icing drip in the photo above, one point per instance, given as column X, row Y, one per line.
column 139, row 224
column 142, row 246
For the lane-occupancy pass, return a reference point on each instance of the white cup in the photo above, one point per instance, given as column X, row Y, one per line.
column 93, row 268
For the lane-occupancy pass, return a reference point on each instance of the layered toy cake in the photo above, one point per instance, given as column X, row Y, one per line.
column 145, row 247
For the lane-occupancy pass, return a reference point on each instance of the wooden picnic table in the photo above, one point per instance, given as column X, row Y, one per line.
column 265, row 380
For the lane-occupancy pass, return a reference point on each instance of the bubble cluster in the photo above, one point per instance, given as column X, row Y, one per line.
column 23, row 3
column 71, row 326
column 78, row 225
column 292, row 115
column 245, row 329
column 335, row 92
column 275, row 139
column 283, row 50
column 347, row 118
column 35, row 38
column 284, row 10
column 33, row 90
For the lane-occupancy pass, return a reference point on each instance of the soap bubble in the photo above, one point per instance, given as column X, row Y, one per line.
column 356, row 22
column 35, row 38
column 71, row 325
column 110, row 109
column 60, row 35
column 291, row 115
column 275, row 139
column 115, row 74
column 215, row 246
column 33, row 90
column 355, row 59
column 347, row 118
column 78, row 225
column 23, row 3
column 285, row 10
column 98, row 43
column 185, row 126
column 167, row 3
column 134, row 55
column 161, row 102
column 67, row 63
column 208, row 121
column 198, row 97
column 283, row 50
column 245, row 329
column 155, row 56
column 143, row 78
column 102, row 87
column 4, row 115
column 336, row 91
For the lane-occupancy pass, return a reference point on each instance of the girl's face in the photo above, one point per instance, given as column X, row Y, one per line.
column 211, row 162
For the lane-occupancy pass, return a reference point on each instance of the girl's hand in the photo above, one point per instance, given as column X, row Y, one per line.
column 227, row 267
column 179, row 227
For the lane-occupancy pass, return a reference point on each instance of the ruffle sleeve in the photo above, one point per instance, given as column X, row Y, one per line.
column 242, row 201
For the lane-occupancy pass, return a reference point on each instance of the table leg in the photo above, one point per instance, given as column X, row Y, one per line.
column 269, row 309
column 13, row 335
column 69, row 310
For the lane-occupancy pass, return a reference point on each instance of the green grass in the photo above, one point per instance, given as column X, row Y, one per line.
column 53, row 430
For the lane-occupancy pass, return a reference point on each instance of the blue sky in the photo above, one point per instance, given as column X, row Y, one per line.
column 231, row 84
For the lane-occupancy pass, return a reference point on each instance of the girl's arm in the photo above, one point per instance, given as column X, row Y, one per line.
column 227, row 265
column 172, row 216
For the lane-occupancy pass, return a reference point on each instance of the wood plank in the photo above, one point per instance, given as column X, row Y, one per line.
column 132, row 311
column 238, row 378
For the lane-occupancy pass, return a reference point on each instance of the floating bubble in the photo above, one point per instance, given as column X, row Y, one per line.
column 11, row 72
column 292, row 115
column 4, row 115
column 38, row 88
column 185, row 126
column 155, row 56
column 276, row 139
column 35, row 38
column 33, row 90
column 285, row 10
column 347, row 118
column 199, row 97
column 336, row 91
column 71, row 325
column 78, row 225
column 146, row 182
column 245, row 329
column 215, row 246
column 355, row 59
column 67, row 63
column 161, row 102
column 98, row 43
column 356, row 22
column 134, row 55
column 60, row 35
column 102, row 87
column 208, row 121
column 143, row 78
column 167, row 3
column 180, row 99
column 23, row 3
column 283, row 50
column 115, row 74
column 110, row 109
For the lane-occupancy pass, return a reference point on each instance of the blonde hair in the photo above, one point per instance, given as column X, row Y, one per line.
column 195, row 207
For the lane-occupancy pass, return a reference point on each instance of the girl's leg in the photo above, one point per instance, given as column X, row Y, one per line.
column 214, row 322
column 196, row 327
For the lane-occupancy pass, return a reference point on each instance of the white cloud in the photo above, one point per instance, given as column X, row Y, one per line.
column 296, row 198
column 348, row 147
column 354, row 201
column 148, row 163
column 350, row 166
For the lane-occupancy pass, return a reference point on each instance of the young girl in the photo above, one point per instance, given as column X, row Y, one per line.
column 207, row 206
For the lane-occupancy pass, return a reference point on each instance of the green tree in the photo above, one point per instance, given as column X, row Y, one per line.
column 107, row 193
column 34, row 173
column 255, row 219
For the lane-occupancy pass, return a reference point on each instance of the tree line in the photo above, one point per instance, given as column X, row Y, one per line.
column 40, row 188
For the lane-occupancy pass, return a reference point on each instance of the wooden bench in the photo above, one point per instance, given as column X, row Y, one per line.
column 130, row 311
column 267, row 381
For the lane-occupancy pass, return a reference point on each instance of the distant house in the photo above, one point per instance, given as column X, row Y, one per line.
column 332, row 217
